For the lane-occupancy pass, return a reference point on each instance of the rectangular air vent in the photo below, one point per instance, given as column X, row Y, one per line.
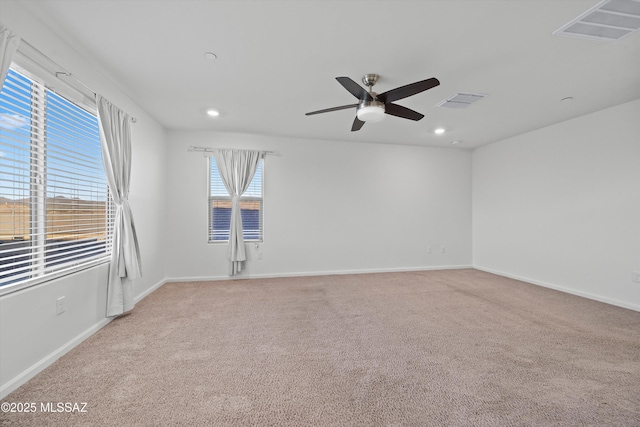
column 608, row 20
column 461, row 100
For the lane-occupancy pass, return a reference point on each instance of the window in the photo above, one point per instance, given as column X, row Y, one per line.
column 55, row 208
column 251, row 206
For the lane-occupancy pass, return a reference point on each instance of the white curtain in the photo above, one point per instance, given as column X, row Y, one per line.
column 8, row 45
column 237, row 168
column 125, row 266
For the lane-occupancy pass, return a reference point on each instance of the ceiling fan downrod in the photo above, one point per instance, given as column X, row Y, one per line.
column 369, row 80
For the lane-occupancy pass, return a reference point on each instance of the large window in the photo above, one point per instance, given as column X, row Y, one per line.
column 55, row 209
column 251, row 206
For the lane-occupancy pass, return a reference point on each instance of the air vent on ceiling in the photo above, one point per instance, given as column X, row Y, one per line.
column 608, row 20
column 461, row 100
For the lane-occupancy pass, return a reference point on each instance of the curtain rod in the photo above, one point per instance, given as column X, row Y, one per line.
column 210, row 150
column 63, row 73
column 68, row 74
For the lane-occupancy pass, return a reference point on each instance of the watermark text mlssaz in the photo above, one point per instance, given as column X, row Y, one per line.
column 51, row 407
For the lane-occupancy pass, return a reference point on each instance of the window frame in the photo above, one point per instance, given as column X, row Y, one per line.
column 35, row 69
column 243, row 198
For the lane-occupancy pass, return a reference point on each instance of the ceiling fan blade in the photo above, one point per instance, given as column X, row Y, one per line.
column 357, row 124
column 404, row 112
column 355, row 89
column 342, row 107
column 408, row 90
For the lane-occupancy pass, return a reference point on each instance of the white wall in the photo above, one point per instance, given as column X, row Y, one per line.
column 560, row 206
column 330, row 207
column 31, row 335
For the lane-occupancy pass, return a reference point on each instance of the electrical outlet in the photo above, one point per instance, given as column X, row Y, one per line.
column 60, row 306
column 636, row 276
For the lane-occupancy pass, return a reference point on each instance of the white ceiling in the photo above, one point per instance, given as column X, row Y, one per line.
column 277, row 60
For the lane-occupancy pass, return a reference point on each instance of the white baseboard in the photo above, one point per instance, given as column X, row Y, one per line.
column 29, row 373
column 623, row 304
column 316, row 273
column 149, row 291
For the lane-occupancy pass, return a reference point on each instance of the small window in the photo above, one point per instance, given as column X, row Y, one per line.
column 251, row 206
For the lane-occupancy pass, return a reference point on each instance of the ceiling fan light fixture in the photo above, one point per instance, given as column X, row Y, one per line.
column 370, row 111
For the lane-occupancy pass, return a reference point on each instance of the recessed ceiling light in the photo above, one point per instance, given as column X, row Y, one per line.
column 439, row 131
column 210, row 56
column 213, row 113
column 455, row 142
column 567, row 99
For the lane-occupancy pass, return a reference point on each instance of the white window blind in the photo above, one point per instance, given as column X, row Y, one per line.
column 251, row 206
column 55, row 209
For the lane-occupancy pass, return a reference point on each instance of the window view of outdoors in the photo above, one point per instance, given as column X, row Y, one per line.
column 54, row 203
column 220, row 207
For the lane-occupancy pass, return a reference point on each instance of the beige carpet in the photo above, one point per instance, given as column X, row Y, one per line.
column 435, row 348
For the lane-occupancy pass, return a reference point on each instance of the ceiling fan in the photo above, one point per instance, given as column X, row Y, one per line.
column 372, row 106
